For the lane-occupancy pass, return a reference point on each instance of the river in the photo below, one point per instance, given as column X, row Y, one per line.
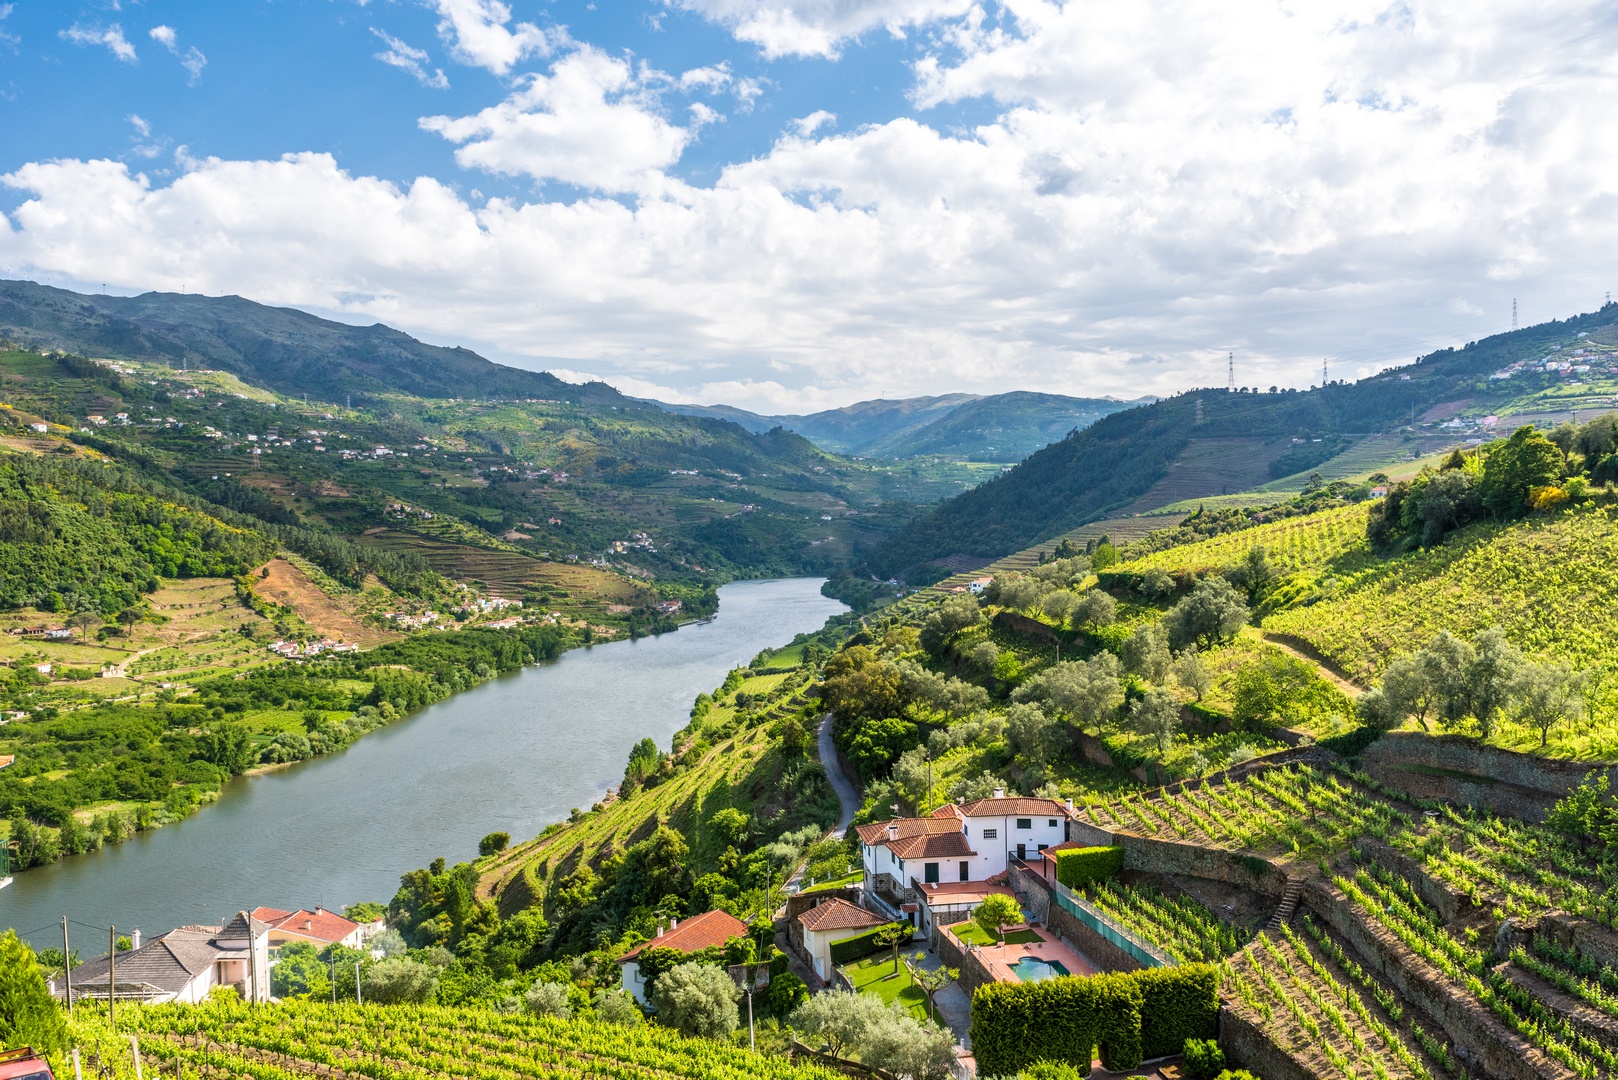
column 513, row 755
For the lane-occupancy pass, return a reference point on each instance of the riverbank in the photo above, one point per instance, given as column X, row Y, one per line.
column 514, row 754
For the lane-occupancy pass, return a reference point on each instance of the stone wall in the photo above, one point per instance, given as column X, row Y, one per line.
column 799, row 903
column 1247, row 1047
column 1458, row 769
column 1482, row 1042
column 1035, row 895
column 1432, row 892
column 1589, row 938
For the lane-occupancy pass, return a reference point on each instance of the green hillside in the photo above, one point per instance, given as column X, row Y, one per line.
column 1116, row 465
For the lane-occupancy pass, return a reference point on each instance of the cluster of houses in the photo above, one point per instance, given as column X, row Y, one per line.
column 43, row 633
column 486, row 604
column 411, row 622
column 293, row 650
column 186, row 963
column 1577, row 362
column 930, row 872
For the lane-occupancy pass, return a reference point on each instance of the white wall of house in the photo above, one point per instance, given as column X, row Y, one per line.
column 997, row 839
column 818, row 945
column 632, row 982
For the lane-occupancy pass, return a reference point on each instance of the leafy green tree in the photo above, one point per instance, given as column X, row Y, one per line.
column 931, row 980
column 82, row 621
column 892, row 936
column 1548, row 695
column 997, row 912
column 228, row 746
column 1088, row 692
column 698, row 1000
column 1146, row 653
column 29, row 1016
column 1407, row 691
column 397, row 981
column 1491, row 676
column 1513, row 469
column 1446, row 663
column 1156, row 584
column 954, row 615
column 840, row 1019
column 1156, row 714
column 903, row 1046
column 299, row 973
column 1211, row 613
column 1095, row 608
column 494, row 843
column 1449, row 500
column 1192, row 672
column 729, row 827
column 1034, row 735
column 1255, row 575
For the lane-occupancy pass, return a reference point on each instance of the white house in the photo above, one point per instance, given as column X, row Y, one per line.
column 705, row 931
column 319, row 927
column 826, row 924
column 971, row 842
column 182, row 965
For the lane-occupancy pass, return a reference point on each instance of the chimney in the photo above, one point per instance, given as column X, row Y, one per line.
column 1070, row 806
column 893, row 831
column 319, row 910
column 134, row 939
column 659, row 929
column 674, row 924
column 999, row 792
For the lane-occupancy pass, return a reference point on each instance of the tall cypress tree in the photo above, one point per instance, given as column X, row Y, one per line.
column 29, row 1016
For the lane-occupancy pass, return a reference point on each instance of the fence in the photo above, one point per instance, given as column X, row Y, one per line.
column 1080, row 909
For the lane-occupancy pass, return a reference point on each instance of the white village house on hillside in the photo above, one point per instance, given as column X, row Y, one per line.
column 182, row 965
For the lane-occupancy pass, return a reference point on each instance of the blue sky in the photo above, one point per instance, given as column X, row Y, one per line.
column 786, row 205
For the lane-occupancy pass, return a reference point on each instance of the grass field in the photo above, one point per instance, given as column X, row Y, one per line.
column 875, row 975
column 972, row 934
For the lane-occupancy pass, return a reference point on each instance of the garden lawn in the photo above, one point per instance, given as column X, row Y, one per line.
column 835, row 883
column 874, row 975
column 971, row 933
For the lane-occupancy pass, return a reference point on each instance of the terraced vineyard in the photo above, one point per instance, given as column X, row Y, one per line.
column 406, row 1042
column 508, row 572
column 1548, row 584
column 1322, row 1008
column 1332, row 539
column 1180, row 926
column 1296, row 808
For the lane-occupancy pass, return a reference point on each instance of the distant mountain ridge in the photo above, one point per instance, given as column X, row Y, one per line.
column 997, row 427
column 282, row 349
column 1103, row 469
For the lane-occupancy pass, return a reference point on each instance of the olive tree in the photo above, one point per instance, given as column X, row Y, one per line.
column 1146, row 653
column 1095, row 608
column 1211, row 613
column 548, row 999
column 397, row 981
column 1548, row 695
column 1191, row 672
column 840, row 1019
column 1156, row 714
column 698, row 1000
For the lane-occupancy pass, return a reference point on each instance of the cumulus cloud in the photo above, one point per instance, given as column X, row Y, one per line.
column 407, row 58
column 479, row 33
column 110, row 36
column 806, row 126
column 191, row 59
column 592, row 122
column 1162, row 186
column 818, row 27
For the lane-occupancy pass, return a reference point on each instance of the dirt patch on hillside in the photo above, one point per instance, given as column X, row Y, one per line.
column 286, row 584
column 1444, row 410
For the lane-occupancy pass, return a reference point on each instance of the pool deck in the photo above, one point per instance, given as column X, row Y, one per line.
column 999, row 959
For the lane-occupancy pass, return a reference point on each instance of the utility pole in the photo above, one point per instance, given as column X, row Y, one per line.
column 112, row 984
column 357, row 999
column 1230, row 372
column 1514, row 313
column 67, row 968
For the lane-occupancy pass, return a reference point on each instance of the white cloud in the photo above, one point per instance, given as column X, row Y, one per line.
column 818, row 27
column 478, row 34
column 1162, row 186
column 110, row 36
column 408, row 58
column 806, row 126
column 142, row 128
column 591, row 122
column 191, row 59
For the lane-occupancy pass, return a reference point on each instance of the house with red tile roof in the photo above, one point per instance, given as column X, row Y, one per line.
column 958, row 842
column 709, row 930
column 319, row 927
column 829, row 922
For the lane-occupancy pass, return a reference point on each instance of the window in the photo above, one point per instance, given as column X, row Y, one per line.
column 1051, row 823
column 929, row 873
column 990, row 834
column 1025, row 823
column 965, row 876
column 1042, row 847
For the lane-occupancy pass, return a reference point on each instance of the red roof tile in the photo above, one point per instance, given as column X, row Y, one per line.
column 838, row 914
column 1010, row 806
column 931, row 846
column 877, row 832
column 316, row 925
column 699, row 932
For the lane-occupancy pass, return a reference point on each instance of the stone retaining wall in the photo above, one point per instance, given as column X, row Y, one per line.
column 1432, row 892
column 1458, row 769
column 1035, row 894
column 1481, row 1041
column 1590, row 938
column 1247, row 1047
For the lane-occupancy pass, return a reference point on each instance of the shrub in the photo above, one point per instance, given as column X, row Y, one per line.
column 1079, row 867
column 1203, row 1059
column 858, row 948
column 399, row 981
column 548, row 999
column 28, row 1015
column 494, row 843
column 698, row 1000
column 1129, row 1016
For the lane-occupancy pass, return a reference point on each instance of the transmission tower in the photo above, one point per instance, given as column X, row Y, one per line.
column 1514, row 313
column 1325, row 372
column 1230, row 373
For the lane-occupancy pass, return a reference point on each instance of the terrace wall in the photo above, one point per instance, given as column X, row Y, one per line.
column 1589, row 938
column 1432, row 892
column 1481, row 1041
column 1457, row 769
column 1247, row 1047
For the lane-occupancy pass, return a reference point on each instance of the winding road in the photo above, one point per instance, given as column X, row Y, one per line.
column 848, row 798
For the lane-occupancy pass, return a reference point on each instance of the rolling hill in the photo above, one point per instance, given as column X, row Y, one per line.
column 283, row 349
column 1210, row 442
column 1000, row 428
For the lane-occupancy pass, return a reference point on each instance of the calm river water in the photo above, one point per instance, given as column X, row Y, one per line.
column 513, row 755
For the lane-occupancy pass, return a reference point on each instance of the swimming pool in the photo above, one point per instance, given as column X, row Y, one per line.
column 1033, row 969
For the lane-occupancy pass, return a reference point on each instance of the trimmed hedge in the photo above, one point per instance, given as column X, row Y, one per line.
column 1015, row 1025
column 1129, row 1016
column 1078, row 867
column 858, row 948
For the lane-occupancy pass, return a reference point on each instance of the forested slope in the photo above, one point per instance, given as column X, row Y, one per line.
column 1107, row 465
